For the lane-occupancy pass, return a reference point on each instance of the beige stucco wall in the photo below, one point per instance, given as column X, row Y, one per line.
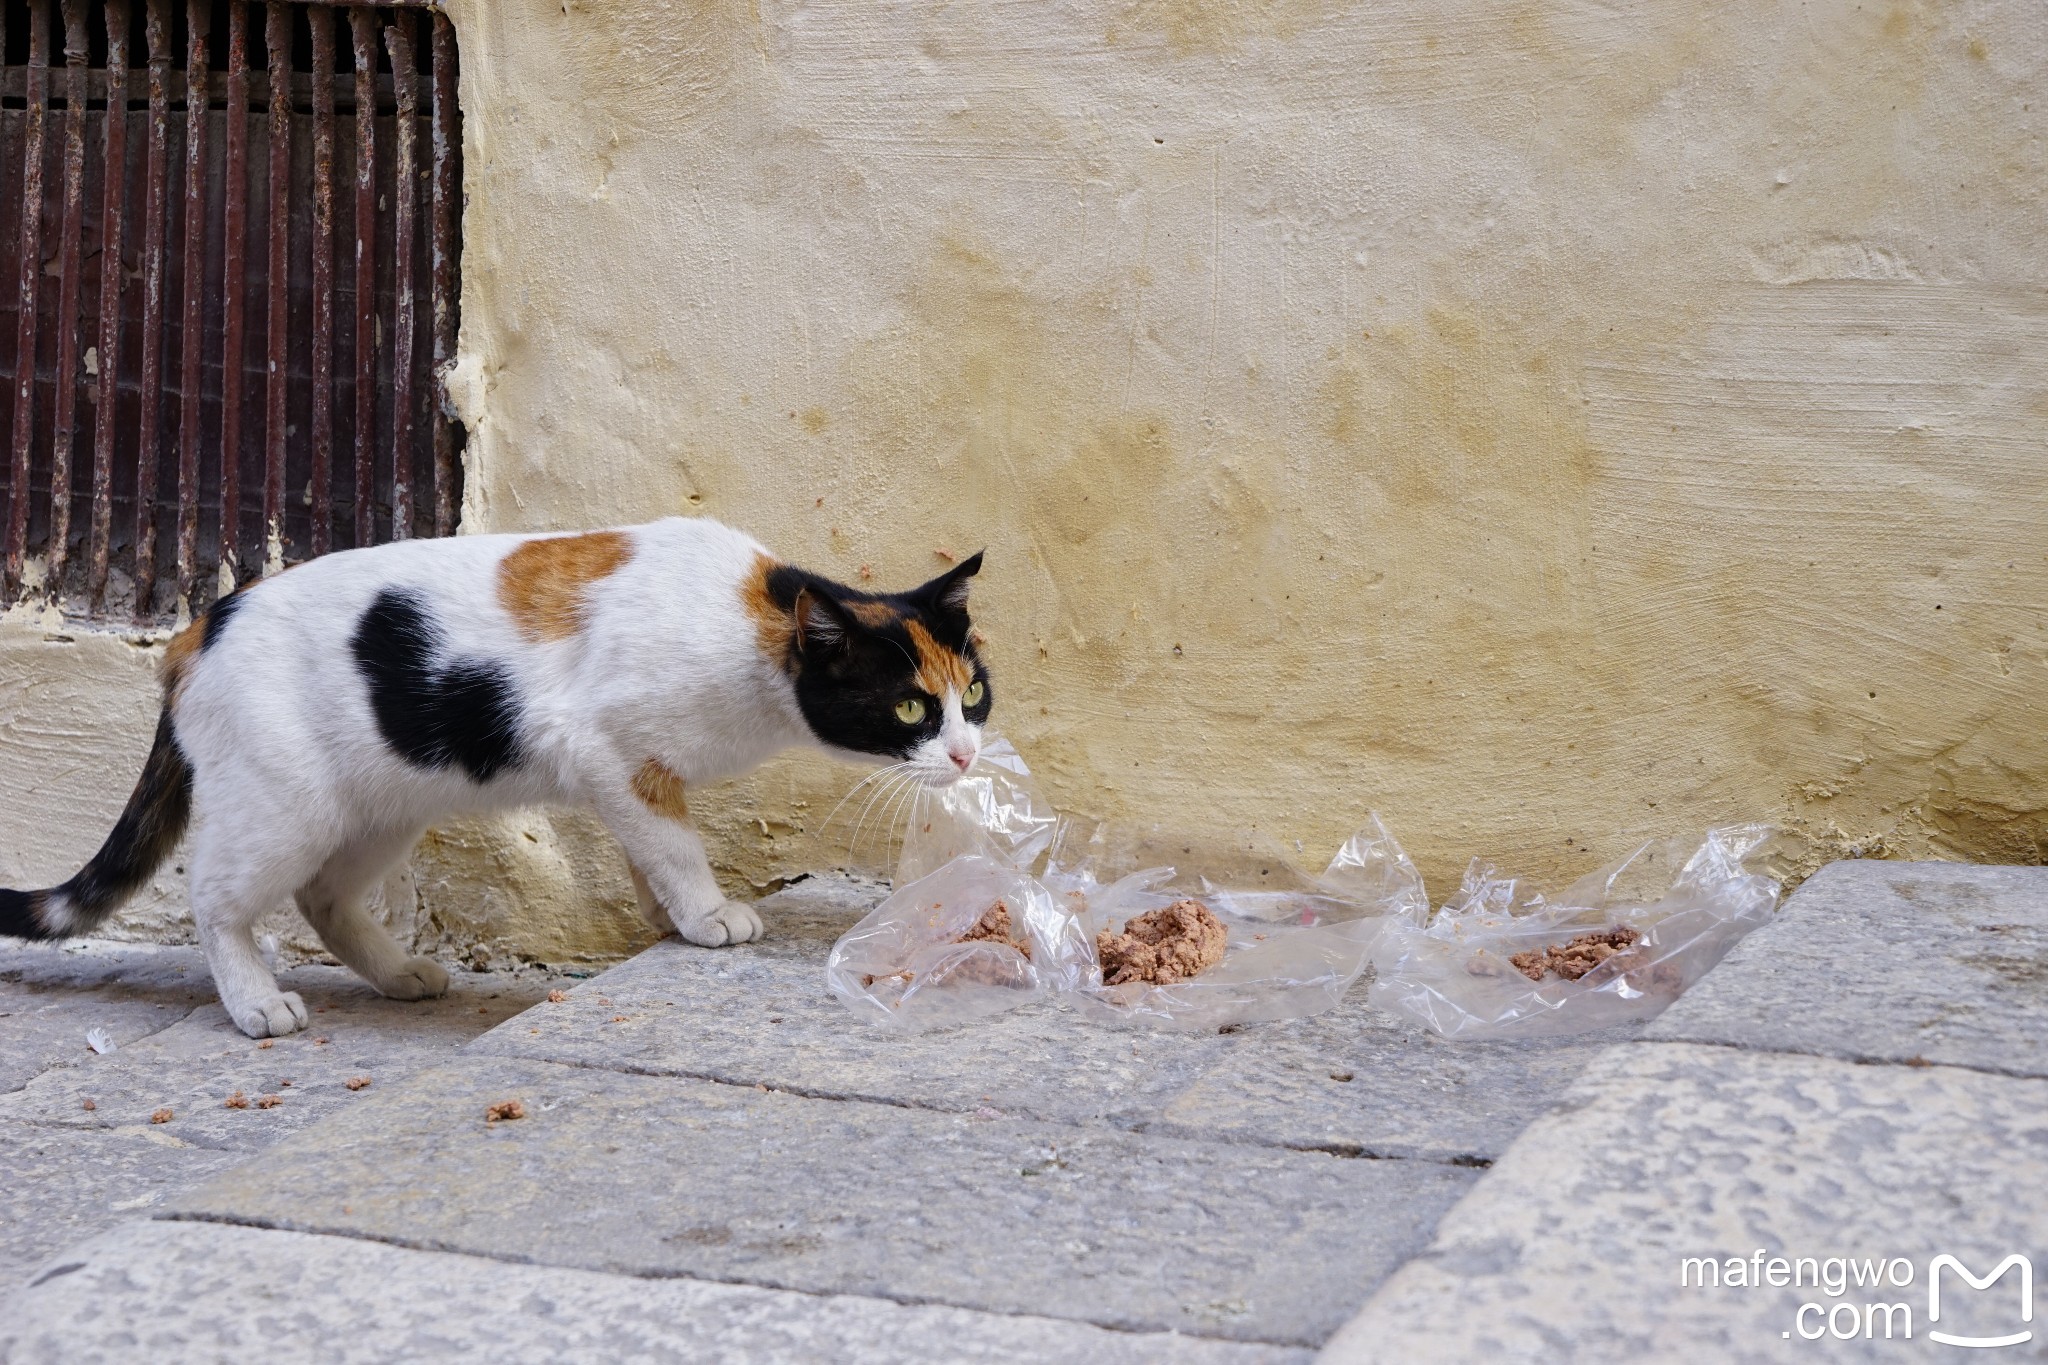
column 1550, row 425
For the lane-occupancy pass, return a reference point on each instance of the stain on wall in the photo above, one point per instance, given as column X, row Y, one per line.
column 1549, row 427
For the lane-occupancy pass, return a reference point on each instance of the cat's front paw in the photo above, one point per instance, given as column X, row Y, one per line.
column 417, row 978
column 726, row 923
column 270, row 1016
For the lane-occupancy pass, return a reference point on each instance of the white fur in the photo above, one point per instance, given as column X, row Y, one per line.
column 296, row 793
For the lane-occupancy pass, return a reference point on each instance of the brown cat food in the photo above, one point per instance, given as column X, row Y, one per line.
column 994, row 927
column 1160, row 947
column 505, row 1110
column 1574, row 959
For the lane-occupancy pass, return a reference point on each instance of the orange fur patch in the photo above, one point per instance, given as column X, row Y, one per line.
column 874, row 614
column 541, row 582
column 178, row 656
column 774, row 627
column 661, row 791
column 938, row 668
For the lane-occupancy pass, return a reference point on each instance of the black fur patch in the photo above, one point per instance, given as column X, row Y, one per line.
column 18, row 917
column 146, row 832
column 217, row 617
column 461, row 712
column 141, row 839
column 849, row 684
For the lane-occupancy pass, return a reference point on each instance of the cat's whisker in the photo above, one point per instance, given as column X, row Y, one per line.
column 906, row 799
column 886, row 789
column 879, row 784
column 854, row 791
column 860, row 819
column 891, row 810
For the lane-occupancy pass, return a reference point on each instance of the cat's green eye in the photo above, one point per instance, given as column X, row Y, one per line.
column 910, row 710
column 971, row 698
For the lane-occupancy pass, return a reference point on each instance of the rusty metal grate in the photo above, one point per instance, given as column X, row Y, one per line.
column 256, row 383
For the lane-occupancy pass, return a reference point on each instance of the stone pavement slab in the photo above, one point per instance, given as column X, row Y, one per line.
column 201, row 1293
column 66, row 1171
column 51, row 997
column 1571, row 1248
column 661, row 1177
column 59, row 1186
column 1895, row 962
column 195, row 1064
column 1358, row 1081
column 760, row 1013
column 705, row 1124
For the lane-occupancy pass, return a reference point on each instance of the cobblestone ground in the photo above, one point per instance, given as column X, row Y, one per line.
column 715, row 1161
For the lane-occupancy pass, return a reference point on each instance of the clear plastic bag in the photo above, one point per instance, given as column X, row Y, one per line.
column 994, row 812
column 1295, row 942
column 1291, row 951
column 904, row 967
column 1456, row 972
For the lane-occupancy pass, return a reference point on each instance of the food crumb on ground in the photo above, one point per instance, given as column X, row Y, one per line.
column 356, row 1082
column 617, row 1019
column 235, row 1101
column 162, row 1116
column 270, row 1102
column 1581, row 955
column 267, row 1044
column 1162, row 946
column 1340, row 1075
column 90, row 1106
column 505, row 1109
column 995, row 926
column 557, row 997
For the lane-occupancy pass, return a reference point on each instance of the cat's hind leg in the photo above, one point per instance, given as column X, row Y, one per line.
column 236, row 877
column 333, row 902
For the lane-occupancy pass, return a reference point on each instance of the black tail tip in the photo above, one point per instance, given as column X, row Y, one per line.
column 21, row 914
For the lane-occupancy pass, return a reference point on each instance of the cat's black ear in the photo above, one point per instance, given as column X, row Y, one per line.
column 821, row 623
column 948, row 592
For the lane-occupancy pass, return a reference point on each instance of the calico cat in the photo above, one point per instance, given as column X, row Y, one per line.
column 317, row 721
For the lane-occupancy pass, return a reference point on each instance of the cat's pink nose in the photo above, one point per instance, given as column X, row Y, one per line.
column 963, row 759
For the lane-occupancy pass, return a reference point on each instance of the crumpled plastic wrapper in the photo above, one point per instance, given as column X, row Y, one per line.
column 1454, row 972
column 994, row 812
column 1292, row 952
column 1296, row 941
column 904, row 968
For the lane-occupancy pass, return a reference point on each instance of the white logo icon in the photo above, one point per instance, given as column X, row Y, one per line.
column 1934, row 1268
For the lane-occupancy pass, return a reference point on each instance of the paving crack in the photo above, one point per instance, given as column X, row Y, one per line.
column 1335, row 1147
column 442, row 1247
column 62, row 1065
column 1847, row 1059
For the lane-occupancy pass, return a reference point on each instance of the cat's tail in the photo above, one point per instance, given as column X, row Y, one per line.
column 143, row 837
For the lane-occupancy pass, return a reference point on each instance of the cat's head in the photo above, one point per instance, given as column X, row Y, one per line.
column 889, row 675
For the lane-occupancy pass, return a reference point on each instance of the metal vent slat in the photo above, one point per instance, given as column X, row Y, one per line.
column 210, row 366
